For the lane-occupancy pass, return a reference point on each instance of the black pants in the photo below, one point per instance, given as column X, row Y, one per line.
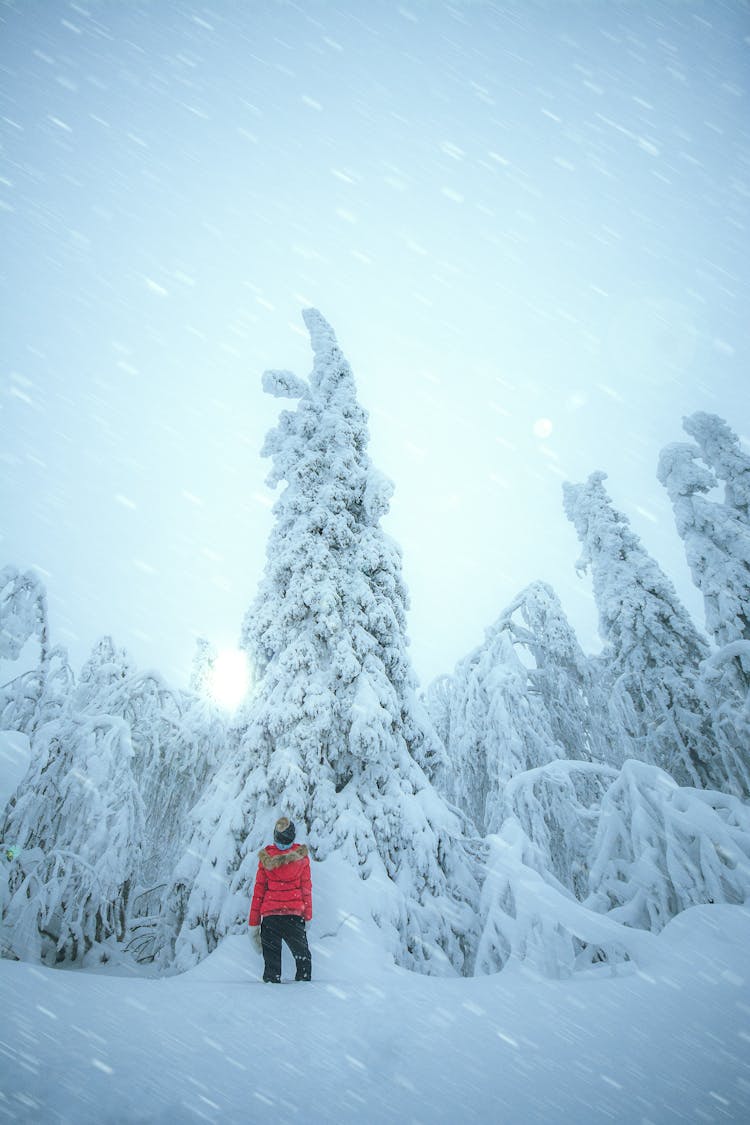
column 274, row 929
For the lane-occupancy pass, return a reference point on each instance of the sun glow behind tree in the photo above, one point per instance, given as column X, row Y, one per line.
column 229, row 679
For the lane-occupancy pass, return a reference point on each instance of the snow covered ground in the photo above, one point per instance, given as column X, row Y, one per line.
column 368, row 1043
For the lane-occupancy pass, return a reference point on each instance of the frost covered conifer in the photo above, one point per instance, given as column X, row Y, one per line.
column 102, row 675
column 515, row 703
column 204, row 660
column 717, row 543
column 660, row 848
column 334, row 736
column 38, row 694
column 179, row 739
column 720, row 448
column 653, row 650
column 717, row 546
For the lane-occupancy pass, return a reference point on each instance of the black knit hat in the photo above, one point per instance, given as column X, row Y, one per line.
column 283, row 833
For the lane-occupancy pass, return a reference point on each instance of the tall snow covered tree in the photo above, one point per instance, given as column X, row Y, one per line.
column 717, row 543
column 334, row 736
column 720, row 448
column 23, row 612
column 717, row 546
column 653, row 650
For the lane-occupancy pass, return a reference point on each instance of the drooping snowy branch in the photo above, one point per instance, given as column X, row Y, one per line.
column 661, row 848
column 524, row 698
column 720, row 448
column 528, row 916
column 558, row 808
column 77, row 825
column 284, row 384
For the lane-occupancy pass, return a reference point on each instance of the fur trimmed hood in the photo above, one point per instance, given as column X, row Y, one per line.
column 271, row 862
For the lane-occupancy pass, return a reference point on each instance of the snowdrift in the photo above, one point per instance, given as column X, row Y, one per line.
column 364, row 1042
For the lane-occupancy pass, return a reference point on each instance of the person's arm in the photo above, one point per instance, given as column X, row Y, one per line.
column 259, row 890
column 306, row 888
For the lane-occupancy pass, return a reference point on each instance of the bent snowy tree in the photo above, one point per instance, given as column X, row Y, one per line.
column 653, row 651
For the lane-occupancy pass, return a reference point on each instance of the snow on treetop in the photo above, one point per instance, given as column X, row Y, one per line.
column 708, row 429
column 328, row 356
column 322, row 336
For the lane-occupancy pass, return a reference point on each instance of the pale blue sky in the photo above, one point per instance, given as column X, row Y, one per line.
column 509, row 212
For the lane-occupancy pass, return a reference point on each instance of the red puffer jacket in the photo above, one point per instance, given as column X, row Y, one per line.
column 282, row 883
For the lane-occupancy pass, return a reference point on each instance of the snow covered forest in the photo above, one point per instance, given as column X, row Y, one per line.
column 537, row 805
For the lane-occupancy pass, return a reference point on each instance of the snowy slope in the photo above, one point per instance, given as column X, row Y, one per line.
column 362, row 1043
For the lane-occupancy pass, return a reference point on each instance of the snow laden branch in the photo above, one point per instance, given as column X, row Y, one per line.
column 717, row 547
column 645, row 848
column 660, row 848
column 650, row 666
column 528, row 916
column 284, row 384
column 721, row 450
column 558, row 808
column 76, row 822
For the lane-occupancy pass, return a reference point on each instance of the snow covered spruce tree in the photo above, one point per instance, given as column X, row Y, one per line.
column 660, row 848
column 104, row 671
column 202, row 670
column 520, row 700
column 720, row 449
column 334, row 736
column 717, row 543
column 717, row 546
column 652, row 650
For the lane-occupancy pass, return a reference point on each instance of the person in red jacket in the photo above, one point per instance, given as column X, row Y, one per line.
column 282, row 902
